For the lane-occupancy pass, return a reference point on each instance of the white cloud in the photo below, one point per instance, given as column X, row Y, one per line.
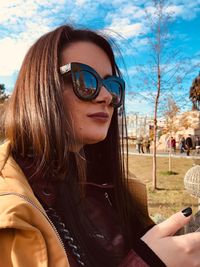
column 135, row 12
column 183, row 9
column 15, row 10
column 80, row 2
column 175, row 10
column 125, row 28
column 13, row 50
column 132, row 70
column 11, row 53
column 126, row 19
column 130, row 19
column 190, row 9
column 24, row 22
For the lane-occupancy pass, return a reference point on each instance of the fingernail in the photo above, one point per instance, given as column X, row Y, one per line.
column 187, row 212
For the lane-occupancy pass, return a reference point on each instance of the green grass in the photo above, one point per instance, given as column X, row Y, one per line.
column 169, row 173
column 171, row 195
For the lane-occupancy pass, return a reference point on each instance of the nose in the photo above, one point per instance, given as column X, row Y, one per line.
column 104, row 96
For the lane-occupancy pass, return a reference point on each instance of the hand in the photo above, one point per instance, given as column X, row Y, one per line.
column 175, row 251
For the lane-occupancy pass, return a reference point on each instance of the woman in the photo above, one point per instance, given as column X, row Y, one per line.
column 65, row 199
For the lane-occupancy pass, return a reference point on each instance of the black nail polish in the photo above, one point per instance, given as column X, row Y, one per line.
column 187, row 212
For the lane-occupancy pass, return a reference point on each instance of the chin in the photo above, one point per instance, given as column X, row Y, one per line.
column 95, row 140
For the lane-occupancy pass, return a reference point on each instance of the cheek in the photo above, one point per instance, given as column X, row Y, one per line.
column 74, row 114
column 69, row 103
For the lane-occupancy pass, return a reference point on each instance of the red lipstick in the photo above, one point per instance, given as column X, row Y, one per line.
column 101, row 116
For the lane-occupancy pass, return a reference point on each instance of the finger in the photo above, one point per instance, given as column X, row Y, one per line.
column 174, row 223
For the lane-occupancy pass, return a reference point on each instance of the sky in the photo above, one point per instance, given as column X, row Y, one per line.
column 23, row 21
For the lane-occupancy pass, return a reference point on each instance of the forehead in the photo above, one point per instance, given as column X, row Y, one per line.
column 89, row 54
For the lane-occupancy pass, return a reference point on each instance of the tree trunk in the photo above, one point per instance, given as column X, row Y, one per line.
column 154, row 175
column 170, row 153
column 155, row 127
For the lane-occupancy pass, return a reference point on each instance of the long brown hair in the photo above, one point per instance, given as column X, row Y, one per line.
column 36, row 123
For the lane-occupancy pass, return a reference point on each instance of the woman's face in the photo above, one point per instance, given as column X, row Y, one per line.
column 89, row 120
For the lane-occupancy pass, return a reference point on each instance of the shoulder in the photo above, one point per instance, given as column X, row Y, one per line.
column 16, row 212
column 139, row 195
column 138, row 190
column 25, row 228
column 17, row 200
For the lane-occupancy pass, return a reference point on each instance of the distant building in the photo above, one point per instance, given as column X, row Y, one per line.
column 138, row 125
column 184, row 124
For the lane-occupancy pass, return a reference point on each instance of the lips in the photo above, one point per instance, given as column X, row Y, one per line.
column 99, row 116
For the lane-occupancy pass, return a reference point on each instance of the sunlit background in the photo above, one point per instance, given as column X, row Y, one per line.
column 23, row 21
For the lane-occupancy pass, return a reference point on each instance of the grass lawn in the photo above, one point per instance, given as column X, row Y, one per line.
column 171, row 195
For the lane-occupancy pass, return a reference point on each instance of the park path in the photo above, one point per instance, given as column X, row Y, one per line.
column 164, row 155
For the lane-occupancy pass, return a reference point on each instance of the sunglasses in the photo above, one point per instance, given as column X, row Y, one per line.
column 87, row 83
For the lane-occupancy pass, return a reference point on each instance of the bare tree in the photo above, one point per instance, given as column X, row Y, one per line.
column 170, row 113
column 165, row 69
column 158, row 21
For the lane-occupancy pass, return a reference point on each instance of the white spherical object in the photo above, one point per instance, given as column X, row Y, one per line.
column 192, row 181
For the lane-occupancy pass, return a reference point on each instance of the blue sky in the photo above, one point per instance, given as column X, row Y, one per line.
column 23, row 21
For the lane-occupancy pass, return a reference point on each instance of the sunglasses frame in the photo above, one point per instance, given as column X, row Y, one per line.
column 77, row 67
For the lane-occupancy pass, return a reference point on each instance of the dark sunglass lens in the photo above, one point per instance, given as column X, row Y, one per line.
column 115, row 89
column 86, row 84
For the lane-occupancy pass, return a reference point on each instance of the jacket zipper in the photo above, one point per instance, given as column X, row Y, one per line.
column 41, row 211
column 108, row 199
